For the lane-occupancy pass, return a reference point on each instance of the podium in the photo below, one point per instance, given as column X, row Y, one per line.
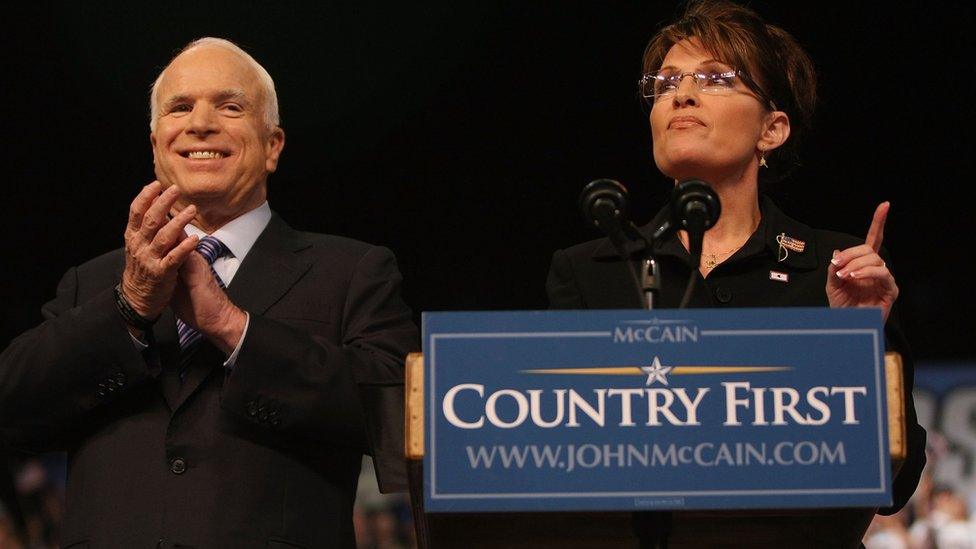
column 790, row 526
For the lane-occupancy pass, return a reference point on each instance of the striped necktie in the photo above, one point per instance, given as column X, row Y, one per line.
column 210, row 248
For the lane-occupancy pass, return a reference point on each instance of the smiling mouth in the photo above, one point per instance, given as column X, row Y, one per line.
column 204, row 155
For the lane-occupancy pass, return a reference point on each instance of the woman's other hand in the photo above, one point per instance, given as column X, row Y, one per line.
column 858, row 277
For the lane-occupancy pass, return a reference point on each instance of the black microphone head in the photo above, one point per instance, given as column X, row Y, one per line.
column 600, row 198
column 694, row 201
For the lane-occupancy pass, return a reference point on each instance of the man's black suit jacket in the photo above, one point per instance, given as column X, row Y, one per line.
column 264, row 455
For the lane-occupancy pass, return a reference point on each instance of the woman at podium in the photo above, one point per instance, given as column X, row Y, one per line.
column 729, row 97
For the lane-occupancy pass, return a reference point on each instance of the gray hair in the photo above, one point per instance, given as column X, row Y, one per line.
column 270, row 107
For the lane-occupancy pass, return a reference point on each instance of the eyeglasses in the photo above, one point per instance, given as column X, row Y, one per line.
column 665, row 83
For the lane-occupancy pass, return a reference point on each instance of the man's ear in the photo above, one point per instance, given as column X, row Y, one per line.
column 273, row 148
column 152, row 142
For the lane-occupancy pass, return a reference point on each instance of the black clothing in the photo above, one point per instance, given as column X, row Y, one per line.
column 593, row 276
column 266, row 454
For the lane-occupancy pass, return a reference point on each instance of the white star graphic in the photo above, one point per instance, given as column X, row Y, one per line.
column 656, row 372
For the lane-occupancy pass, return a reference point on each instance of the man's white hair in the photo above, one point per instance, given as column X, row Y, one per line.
column 270, row 99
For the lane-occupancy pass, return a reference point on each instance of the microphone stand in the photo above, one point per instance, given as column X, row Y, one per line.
column 603, row 203
column 696, row 227
column 653, row 528
column 649, row 280
column 695, row 206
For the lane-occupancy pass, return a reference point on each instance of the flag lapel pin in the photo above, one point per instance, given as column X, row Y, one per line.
column 788, row 243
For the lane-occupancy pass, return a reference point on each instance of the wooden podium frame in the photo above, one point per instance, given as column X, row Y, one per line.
column 794, row 528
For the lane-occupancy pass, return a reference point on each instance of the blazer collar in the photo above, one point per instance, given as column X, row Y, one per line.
column 271, row 267
column 766, row 240
column 240, row 233
column 779, row 225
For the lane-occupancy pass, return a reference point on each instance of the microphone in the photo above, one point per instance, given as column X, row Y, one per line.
column 695, row 207
column 603, row 204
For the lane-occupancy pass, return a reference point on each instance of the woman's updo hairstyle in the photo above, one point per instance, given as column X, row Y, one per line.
column 739, row 37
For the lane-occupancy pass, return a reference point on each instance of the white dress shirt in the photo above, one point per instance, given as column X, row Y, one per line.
column 239, row 236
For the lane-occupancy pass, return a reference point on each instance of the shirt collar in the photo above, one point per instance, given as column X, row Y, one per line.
column 763, row 241
column 774, row 224
column 240, row 233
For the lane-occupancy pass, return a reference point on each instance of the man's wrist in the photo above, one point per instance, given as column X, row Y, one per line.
column 129, row 314
column 232, row 359
column 231, row 329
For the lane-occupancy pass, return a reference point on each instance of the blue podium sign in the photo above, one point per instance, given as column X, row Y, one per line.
column 653, row 410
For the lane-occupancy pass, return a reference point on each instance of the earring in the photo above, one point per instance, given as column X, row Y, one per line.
column 762, row 160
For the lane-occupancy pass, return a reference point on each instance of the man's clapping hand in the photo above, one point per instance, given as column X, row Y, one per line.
column 155, row 249
column 202, row 304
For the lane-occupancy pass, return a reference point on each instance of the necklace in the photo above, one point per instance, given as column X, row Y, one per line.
column 712, row 260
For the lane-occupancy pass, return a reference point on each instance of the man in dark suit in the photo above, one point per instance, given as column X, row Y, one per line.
column 194, row 415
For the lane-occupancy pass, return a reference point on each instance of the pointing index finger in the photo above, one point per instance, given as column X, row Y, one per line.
column 876, row 231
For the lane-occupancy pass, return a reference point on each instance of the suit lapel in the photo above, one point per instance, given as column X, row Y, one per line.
column 201, row 364
column 270, row 269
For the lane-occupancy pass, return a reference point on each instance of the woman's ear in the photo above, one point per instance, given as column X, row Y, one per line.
column 775, row 132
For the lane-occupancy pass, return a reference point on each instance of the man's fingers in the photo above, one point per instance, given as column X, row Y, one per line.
column 178, row 255
column 171, row 232
column 193, row 267
column 141, row 203
column 155, row 216
column 876, row 231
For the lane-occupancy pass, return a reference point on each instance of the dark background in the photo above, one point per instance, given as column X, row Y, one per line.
column 460, row 134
